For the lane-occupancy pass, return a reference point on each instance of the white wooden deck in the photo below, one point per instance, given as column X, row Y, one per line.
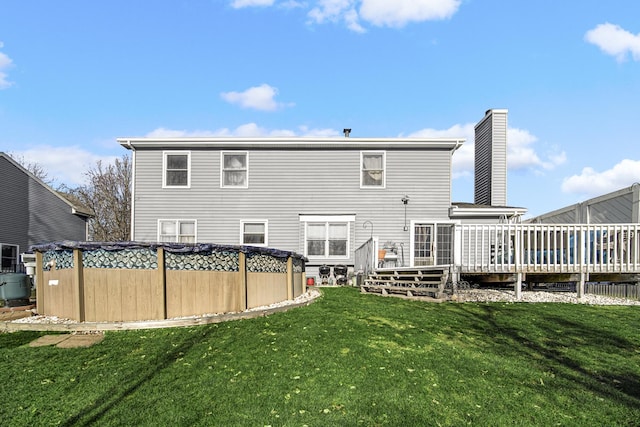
column 576, row 252
column 540, row 253
column 547, row 248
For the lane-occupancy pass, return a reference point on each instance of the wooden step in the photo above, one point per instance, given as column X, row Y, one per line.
column 413, row 284
column 385, row 290
column 410, row 282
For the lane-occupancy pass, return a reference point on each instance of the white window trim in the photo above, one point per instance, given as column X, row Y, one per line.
column 178, row 221
column 246, row 181
column 328, row 219
column 17, row 259
column 164, row 168
column 384, row 170
column 255, row 221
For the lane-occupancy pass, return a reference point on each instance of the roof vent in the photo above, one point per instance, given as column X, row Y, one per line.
column 346, row 132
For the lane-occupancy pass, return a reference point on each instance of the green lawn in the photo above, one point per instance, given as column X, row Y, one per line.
column 346, row 360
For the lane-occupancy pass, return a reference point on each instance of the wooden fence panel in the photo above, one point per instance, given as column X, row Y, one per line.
column 121, row 295
column 58, row 294
column 266, row 288
column 203, row 292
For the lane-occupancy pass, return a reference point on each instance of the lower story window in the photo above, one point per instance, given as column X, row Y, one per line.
column 327, row 239
column 254, row 232
column 8, row 258
column 177, row 231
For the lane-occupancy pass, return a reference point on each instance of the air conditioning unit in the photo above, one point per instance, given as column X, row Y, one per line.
column 29, row 261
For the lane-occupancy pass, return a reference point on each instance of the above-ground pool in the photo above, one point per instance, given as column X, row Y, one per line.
column 112, row 282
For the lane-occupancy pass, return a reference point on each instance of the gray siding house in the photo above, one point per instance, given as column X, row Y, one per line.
column 33, row 213
column 321, row 197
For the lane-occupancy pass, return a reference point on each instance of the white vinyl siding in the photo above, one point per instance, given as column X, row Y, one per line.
column 176, row 169
column 254, row 232
column 235, row 169
column 177, row 230
column 372, row 169
column 287, row 184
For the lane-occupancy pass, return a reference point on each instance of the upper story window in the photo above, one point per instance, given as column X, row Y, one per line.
column 235, row 169
column 372, row 169
column 177, row 230
column 8, row 258
column 176, row 169
column 253, row 232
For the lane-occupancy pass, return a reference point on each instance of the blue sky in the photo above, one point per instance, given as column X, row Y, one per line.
column 75, row 75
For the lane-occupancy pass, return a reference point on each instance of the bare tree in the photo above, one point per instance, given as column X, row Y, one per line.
column 35, row 168
column 108, row 194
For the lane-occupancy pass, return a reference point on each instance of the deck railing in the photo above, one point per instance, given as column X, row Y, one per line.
column 365, row 257
column 548, row 248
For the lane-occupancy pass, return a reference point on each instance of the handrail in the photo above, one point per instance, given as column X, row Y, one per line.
column 548, row 248
column 365, row 259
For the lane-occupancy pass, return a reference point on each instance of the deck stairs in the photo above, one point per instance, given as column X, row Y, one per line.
column 415, row 281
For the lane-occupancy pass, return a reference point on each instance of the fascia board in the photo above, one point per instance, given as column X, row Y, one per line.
column 293, row 143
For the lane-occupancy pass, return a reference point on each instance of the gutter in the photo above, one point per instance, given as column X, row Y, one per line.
column 292, row 143
column 128, row 145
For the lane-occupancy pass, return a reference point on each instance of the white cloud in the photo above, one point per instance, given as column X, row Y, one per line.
column 592, row 183
column 331, row 10
column 64, row 165
column 398, row 13
column 319, row 133
column 522, row 155
column 5, row 64
column 257, row 98
column 239, row 4
column 520, row 151
column 162, row 132
column 381, row 13
column 291, row 4
column 245, row 130
column 615, row 41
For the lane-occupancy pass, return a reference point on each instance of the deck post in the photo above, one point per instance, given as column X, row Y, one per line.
column 40, row 308
column 518, row 288
column 580, row 285
column 162, row 279
column 78, row 279
column 290, row 293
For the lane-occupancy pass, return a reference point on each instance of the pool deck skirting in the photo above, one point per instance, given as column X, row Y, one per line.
column 72, row 326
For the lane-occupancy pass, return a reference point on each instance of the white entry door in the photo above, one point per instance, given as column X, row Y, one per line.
column 423, row 245
column 432, row 244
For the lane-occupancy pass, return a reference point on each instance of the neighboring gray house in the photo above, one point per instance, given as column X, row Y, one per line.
column 320, row 197
column 33, row 213
column 622, row 206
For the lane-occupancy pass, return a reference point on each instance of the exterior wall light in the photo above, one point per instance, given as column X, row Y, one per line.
column 405, row 201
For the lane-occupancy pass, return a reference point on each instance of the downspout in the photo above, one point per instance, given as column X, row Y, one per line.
column 133, row 187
